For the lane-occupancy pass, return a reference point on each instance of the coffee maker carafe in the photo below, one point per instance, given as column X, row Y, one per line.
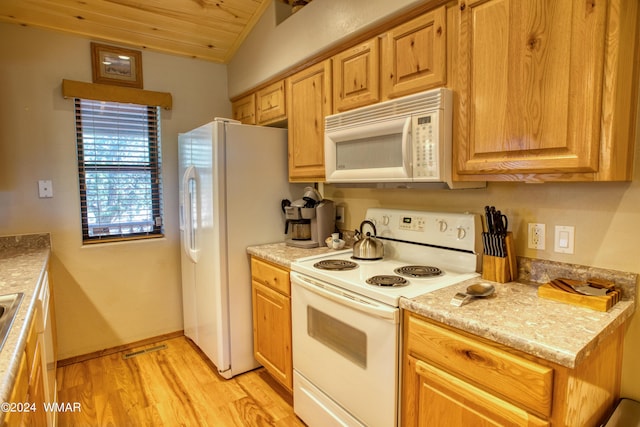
column 310, row 220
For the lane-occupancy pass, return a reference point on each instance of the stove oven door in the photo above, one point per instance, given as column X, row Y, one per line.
column 345, row 356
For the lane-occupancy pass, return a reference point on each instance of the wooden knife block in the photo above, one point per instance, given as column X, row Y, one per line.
column 599, row 303
column 498, row 269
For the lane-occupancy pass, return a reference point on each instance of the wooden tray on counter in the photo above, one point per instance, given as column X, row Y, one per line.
column 554, row 291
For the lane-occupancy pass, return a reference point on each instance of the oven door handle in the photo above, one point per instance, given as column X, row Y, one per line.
column 348, row 299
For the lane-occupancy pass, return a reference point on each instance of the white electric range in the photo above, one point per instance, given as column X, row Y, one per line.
column 346, row 320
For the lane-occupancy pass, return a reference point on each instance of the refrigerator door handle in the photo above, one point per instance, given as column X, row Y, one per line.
column 189, row 191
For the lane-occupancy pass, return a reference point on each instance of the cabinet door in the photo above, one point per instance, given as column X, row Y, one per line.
column 270, row 104
column 434, row 397
column 18, row 393
column 36, row 393
column 530, row 86
column 244, row 109
column 272, row 333
column 356, row 72
column 308, row 102
column 414, row 55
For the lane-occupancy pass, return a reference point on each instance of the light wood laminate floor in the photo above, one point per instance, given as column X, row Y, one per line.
column 170, row 387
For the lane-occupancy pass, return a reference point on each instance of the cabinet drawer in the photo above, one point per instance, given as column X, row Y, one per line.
column 452, row 401
column 516, row 379
column 271, row 275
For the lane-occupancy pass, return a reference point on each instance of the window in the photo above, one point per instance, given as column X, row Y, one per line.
column 119, row 166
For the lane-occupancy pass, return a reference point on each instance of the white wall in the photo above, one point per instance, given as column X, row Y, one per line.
column 107, row 294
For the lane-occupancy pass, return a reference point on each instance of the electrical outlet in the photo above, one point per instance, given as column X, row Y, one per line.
column 45, row 189
column 536, row 236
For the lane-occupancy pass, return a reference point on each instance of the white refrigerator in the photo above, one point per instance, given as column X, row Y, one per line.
column 233, row 178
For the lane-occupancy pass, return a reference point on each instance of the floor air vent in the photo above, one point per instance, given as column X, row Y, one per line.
column 145, row 351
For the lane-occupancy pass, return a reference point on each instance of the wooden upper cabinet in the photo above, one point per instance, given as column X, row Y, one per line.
column 308, row 102
column 539, row 95
column 244, row 109
column 414, row 55
column 356, row 76
column 271, row 104
column 263, row 107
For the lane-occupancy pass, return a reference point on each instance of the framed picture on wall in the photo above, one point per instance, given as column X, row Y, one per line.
column 116, row 65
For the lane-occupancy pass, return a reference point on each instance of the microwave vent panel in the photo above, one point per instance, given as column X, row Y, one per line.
column 417, row 103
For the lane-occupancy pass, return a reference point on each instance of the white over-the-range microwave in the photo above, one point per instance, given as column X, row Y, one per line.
column 404, row 142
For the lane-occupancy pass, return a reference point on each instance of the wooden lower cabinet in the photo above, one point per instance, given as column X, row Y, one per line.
column 454, row 402
column 452, row 378
column 271, row 301
column 28, row 391
column 19, row 392
column 36, row 393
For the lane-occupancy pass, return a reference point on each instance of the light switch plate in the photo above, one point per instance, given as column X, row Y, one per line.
column 45, row 189
column 564, row 239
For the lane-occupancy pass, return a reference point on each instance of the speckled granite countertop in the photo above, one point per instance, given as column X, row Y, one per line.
column 281, row 254
column 23, row 261
column 516, row 317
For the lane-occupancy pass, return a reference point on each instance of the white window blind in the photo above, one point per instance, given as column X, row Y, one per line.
column 119, row 165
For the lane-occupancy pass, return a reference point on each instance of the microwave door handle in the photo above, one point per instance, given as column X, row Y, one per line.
column 406, row 146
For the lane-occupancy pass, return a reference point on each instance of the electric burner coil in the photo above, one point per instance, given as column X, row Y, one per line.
column 335, row 265
column 418, row 271
column 387, row 281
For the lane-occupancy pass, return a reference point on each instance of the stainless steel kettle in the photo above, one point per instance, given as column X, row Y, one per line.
column 368, row 248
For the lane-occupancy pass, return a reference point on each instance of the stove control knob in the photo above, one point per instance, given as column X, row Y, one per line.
column 462, row 233
column 443, row 225
column 385, row 220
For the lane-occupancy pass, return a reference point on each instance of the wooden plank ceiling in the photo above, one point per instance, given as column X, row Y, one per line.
column 206, row 29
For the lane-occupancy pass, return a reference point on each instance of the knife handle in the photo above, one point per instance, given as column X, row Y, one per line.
column 602, row 283
column 489, row 217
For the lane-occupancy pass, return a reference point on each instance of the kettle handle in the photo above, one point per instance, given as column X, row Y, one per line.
column 285, row 203
column 366, row 221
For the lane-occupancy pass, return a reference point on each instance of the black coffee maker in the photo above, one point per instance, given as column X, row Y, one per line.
column 309, row 220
